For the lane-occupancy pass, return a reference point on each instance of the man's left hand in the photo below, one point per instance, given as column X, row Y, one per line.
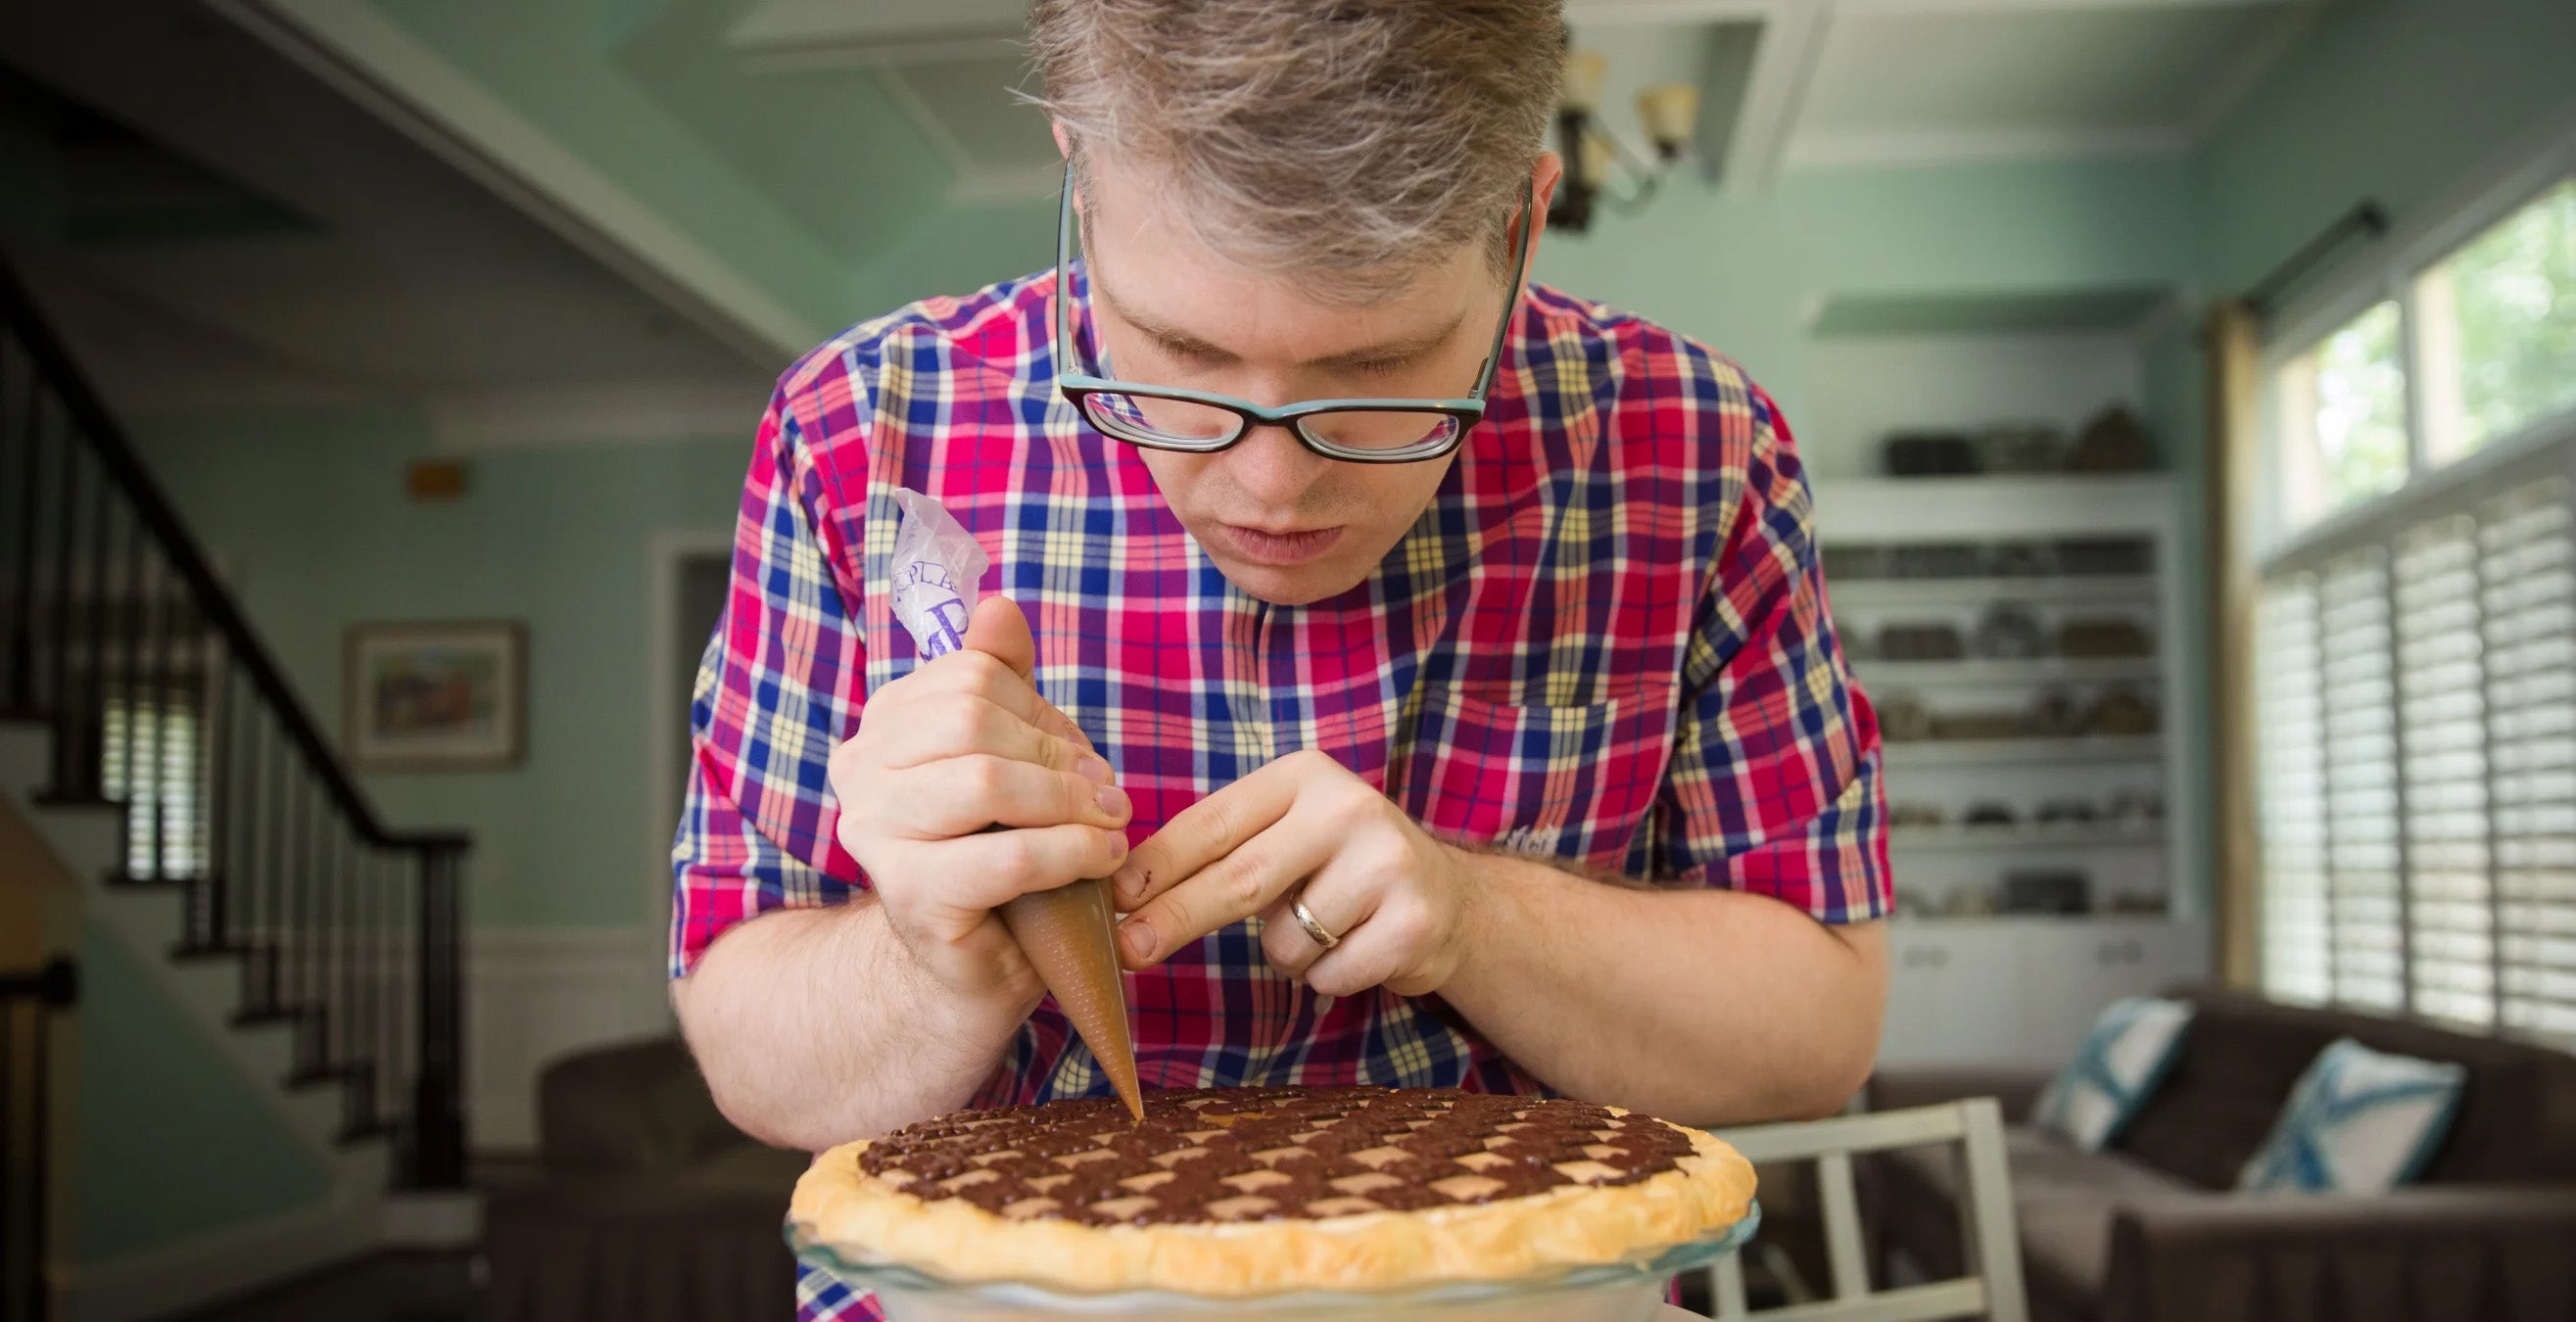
column 1302, row 829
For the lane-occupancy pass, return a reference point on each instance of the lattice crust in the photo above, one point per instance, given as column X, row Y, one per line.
column 1251, row 1154
column 1248, row 1191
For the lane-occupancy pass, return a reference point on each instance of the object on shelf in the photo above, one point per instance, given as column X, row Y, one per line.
column 2064, row 811
column 2052, row 715
column 2113, row 442
column 2123, row 712
column 1920, row 642
column 2010, row 633
column 2136, row 805
column 1977, row 725
column 2150, row 903
column 1970, row 901
column 2096, row 639
column 1850, row 562
column 2019, row 560
column 2049, row 890
column 1901, row 719
column 1929, row 454
column 1936, row 560
column 1990, row 813
column 2105, row 555
column 1913, row 814
column 2021, row 447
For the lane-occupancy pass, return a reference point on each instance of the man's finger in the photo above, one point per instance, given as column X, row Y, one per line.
column 998, row 630
column 967, row 724
column 984, row 871
column 1206, row 831
column 1247, row 879
column 958, row 796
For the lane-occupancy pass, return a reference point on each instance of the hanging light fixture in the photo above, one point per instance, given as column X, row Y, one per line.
column 1594, row 156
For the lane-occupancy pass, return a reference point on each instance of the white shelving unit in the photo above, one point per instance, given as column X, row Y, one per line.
column 1971, row 985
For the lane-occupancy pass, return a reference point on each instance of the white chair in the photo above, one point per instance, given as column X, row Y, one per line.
column 1992, row 1288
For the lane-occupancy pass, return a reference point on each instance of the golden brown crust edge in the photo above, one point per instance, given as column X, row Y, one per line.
column 1568, row 1226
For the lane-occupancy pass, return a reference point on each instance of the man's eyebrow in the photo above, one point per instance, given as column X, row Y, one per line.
column 1398, row 350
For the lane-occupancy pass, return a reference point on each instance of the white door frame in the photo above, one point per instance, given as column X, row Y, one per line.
column 666, row 549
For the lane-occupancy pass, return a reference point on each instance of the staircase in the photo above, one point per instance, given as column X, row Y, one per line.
column 150, row 737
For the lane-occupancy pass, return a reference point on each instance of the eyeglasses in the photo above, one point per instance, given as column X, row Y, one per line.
column 1364, row 431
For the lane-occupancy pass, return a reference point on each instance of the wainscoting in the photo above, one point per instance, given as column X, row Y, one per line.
column 533, row 996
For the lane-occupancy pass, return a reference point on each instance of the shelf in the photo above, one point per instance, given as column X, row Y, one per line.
column 2095, row 309
column 2034, row 670
column 1990, row 752
column 2006, row 922
column 1882, row 510
column 1879, row 593
column 2030, row 835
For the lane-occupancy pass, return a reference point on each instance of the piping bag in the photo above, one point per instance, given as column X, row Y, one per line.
column 1065, row 932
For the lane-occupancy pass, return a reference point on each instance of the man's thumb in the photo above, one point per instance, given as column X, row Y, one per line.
column 999, row 630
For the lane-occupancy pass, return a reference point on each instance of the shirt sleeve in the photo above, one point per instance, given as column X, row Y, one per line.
column 780, row 687
column 1774, row 784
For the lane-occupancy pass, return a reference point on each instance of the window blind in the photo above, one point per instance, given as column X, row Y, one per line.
column 2416, row 708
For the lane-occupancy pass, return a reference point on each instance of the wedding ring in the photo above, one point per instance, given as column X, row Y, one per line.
column 1306, row 919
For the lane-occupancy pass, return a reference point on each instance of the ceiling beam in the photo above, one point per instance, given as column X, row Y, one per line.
column 1961, row 146
column 417, row 92
column 836, row 33
column 1784, row 64
column 2042, row 6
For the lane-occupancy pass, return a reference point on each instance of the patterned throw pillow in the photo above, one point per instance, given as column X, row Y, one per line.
column 2359, row 1121
column 2121, row 1062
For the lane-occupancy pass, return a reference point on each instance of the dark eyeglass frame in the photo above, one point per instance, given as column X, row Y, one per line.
column 1078, row 386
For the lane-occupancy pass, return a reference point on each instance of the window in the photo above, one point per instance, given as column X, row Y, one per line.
column 2415, row 636
column 2496, row 322
column 2343, row 418
column 150, row 761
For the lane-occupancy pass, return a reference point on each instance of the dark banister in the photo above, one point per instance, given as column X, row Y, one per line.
column 107, row 441
column 50, row 990
column 22, row 601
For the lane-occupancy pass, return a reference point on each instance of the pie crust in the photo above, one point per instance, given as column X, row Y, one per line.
column 1236, row 1192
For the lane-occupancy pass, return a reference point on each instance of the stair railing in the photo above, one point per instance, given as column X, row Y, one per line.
column 119, row 636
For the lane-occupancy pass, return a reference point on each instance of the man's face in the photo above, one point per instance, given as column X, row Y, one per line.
column 1287, row 525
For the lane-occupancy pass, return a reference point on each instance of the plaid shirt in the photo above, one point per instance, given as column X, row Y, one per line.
column 1605, row 641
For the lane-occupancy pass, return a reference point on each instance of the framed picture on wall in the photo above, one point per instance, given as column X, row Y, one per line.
column 436, row 696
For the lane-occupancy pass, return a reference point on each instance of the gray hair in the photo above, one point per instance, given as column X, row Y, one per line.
column 1353, row 143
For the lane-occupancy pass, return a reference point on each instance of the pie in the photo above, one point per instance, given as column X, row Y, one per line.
column 1246, row 1191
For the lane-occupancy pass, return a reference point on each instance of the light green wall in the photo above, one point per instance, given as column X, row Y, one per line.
column 1741, row 271
column 306, row 512
column 2392, row 99
column 167, row 1141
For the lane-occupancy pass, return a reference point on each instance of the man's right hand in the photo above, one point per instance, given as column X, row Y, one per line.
column 960, row 744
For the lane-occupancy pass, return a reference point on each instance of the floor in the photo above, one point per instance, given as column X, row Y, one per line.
column 390, row 1287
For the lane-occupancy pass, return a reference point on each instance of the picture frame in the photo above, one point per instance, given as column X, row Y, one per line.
column 446, row 695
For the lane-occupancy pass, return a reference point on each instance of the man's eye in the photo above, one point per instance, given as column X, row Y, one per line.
column 1381, row 366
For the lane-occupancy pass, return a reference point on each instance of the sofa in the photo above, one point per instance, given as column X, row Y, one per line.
column 644, row 1205
column 2150, row 1230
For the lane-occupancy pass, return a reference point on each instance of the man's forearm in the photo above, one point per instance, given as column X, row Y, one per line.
column 1702, row 1007
column 816, row 1027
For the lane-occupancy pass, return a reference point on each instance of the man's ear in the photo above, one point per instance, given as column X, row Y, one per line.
column 1544, row 177
column 1063, row 142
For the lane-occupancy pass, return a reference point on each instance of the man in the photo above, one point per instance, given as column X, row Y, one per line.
column 1492, row 736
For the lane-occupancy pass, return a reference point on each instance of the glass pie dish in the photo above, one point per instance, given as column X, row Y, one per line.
column 1613, row 1292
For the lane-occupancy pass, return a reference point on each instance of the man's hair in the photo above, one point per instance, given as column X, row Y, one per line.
column 1352, row 143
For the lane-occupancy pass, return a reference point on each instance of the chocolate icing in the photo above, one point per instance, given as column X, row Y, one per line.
column 1250, row 1154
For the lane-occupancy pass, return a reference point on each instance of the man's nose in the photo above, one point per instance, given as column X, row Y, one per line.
column 1272, row 466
